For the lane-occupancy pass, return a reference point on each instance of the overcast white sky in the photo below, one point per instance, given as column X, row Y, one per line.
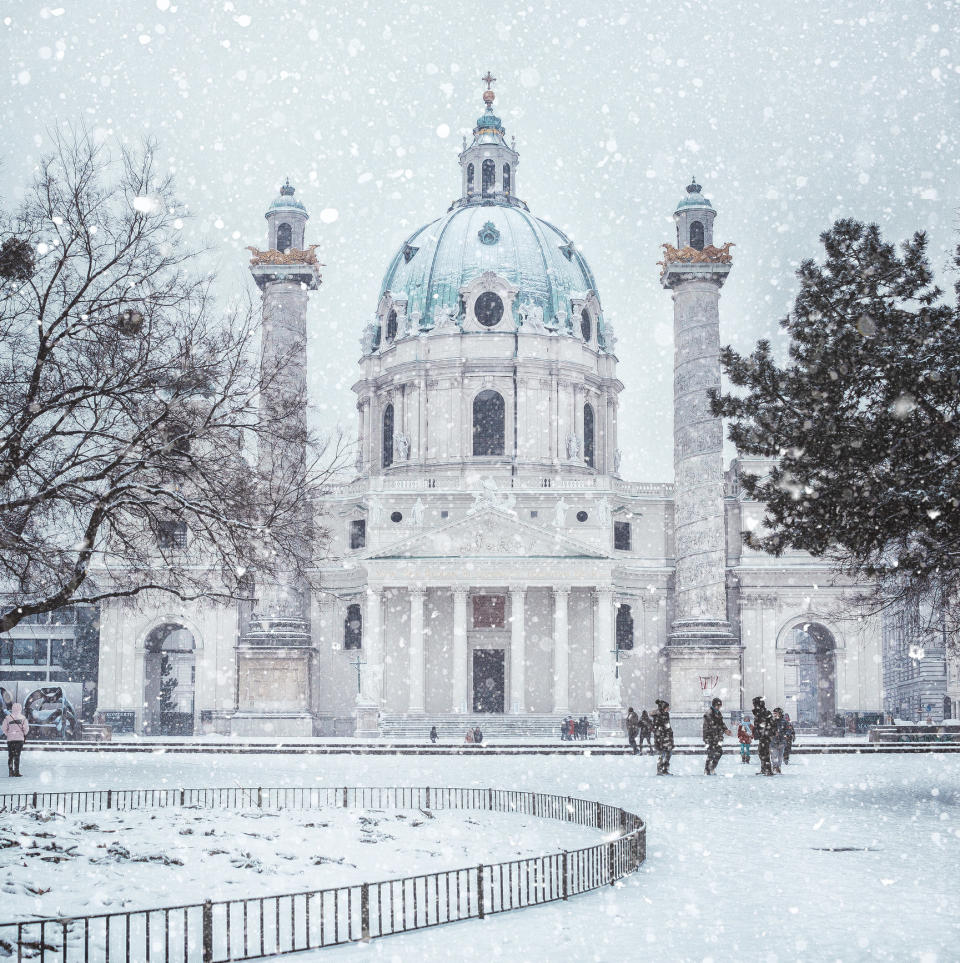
column 791, row 114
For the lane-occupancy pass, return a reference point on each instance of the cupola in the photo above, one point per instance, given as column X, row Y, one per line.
column 286, row 220
column 694, row 216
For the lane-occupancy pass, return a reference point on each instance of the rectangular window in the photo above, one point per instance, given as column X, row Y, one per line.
column 25, row 651
column 621, row 536
column 534, row 513
column 172, row 534
column 358, row 533
column 489, row 611
column 353, row 628
column 56, row 652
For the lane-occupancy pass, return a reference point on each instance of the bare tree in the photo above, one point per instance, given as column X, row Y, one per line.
column 129, row 409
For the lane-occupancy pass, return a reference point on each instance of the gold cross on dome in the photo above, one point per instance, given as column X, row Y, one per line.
column 489, row 80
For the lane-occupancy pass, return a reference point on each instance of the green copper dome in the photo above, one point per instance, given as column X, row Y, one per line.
column 436, row 261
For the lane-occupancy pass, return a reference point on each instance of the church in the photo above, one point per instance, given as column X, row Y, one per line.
column 488, row 562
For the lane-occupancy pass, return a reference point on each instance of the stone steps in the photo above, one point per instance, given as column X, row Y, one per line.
column 493, row 726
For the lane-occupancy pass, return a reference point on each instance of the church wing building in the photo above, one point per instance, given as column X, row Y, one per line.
column 488, row 561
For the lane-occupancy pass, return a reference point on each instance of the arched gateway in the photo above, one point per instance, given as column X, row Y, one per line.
column 169, row 673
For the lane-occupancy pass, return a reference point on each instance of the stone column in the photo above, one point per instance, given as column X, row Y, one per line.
column 561, row 652
column 371, row 673
column 606, row 684
column 518, row 653
column 458, row 701
column 415, row 679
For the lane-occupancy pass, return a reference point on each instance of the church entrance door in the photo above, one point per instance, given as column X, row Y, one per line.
column 488, row 679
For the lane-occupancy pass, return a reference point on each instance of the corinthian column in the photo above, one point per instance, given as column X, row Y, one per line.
column 518, row 653
column 458, row 698
column 561, row 653
column 415, row 679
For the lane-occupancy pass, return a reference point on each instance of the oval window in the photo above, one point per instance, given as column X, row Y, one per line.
column 582, row 516
column 585, row 326
column 396, row 517
column 488, row 309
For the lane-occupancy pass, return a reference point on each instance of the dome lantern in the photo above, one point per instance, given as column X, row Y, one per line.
column 286, row 221
column 694, row 216
column 488, row 165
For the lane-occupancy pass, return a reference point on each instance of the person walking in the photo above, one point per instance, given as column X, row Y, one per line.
column 745, row 737
column 778, row 740
column 791, row 734
column 433, row 734
column 646, row 730
column 663, row 736
column 714, row 729
column 633, row 728
column 763, row 730
column 15, row 728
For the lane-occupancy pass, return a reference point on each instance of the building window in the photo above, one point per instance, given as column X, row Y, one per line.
column 506, row 178
column 358, row 533
column 589, row 448
column 488, row 423
column 284, row 237
column 582, row 516
column 396, row 517
column 586, row 328
column 377, row 337
column 391, row 325
column 56, row 652
column 621, row 536
column 696, row 235
column 489, row 309
column 624, row 627
column 489, row 611
column 469, row 178
column 172, row 534
column 488, row 175
column 353, row 628
column 387, row 444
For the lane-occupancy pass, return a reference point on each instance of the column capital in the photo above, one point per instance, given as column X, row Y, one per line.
column 562, row 589
column 518, row 589
column 460, row 588
column 417, row 592
column 375, row 588
column 603, row 592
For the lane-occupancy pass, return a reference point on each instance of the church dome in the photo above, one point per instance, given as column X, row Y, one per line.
column 435, row 262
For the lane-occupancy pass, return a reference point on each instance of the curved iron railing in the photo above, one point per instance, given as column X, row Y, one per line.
column 217, row 931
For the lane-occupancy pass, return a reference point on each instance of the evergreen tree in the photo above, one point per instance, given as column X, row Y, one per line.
column 168, row 683
column 861, row 422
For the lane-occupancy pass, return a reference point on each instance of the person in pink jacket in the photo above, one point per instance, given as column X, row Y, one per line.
column 15, row 728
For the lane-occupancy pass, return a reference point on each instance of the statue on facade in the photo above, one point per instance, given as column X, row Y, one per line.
column 560, row 513
column 375, row 511
column 444, row 317
column 369, row 337
column 489, row 496
column 573, row 446
column 403, row 446
column 531, row 316
column 603, row 510
column 609, row 338
column 418, row 512
column 617, row 455
column 607, row 685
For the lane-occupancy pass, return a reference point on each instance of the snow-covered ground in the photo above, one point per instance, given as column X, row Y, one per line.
column 841, row 858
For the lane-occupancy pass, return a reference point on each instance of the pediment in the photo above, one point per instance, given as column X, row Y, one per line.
column 489, row 533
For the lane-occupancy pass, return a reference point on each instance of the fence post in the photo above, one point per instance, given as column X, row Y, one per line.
column 428, row 797
column 623, row 822
column 259, row 797
column 109, row 798
column 610, row 859
column 344, row 797
column 364, row 912
column 34, row 800
column 599, row 816
column 480, row 891
column 207, row 931
column 566, row 888
column 181, row 798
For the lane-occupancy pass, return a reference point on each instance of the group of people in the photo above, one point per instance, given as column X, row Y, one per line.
column 572, row 728
column 474, row 737
column 773, row 731
column 775, row 735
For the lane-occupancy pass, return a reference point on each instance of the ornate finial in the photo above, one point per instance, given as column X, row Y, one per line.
column 286, row 190
column 488, row 94
column 693, row 187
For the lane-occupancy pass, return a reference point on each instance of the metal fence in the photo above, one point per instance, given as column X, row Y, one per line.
column 218, row 931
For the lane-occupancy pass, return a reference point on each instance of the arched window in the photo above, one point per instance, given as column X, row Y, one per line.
column 489, row 175
column 624, row 627
column 469, row 178
column 284, row 237
column 387, row 445
column 377, row 336
column 586, row 328
column 391, row 325
column 696, row 235
column 506, row 178
column 353, row 628
column 589, row 448
column 488, row 422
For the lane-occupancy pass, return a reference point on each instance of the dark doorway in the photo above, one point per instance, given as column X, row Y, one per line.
column 810, row 670
column 488, row 680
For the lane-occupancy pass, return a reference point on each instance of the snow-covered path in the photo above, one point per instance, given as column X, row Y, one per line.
column 841, row 858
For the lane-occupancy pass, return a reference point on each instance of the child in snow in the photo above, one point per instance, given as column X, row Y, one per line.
column 745, row 737
column 15, row 728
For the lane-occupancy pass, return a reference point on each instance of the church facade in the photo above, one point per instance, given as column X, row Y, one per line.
column 488, row 559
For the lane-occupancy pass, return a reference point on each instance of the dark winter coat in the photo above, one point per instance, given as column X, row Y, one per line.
column 633, row 723
column 762, row 723
column 713, row 726
column 778, row 731
column 662, row 730
column 791, row 733
column 646, row 723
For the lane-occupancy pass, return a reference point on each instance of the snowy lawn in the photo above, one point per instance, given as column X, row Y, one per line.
column 841, row 858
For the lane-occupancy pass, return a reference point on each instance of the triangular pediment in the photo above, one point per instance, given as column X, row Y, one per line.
column 489, row 533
